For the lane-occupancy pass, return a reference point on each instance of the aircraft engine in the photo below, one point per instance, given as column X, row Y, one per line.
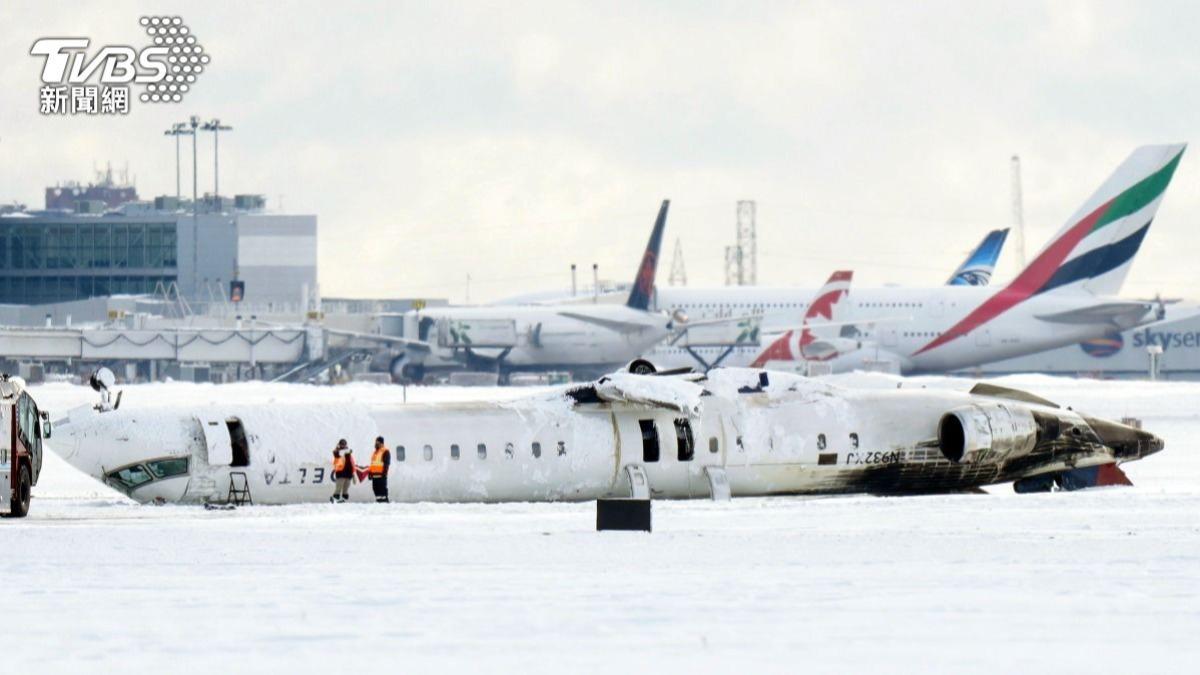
column 987, row 432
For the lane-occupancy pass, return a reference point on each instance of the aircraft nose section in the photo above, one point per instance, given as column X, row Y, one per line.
column 1126, row 441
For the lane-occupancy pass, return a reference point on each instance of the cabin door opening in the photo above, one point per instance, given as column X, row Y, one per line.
column 238, row 441
column 650, row 446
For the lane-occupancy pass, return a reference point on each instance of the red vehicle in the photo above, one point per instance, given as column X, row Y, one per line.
column 22, row 429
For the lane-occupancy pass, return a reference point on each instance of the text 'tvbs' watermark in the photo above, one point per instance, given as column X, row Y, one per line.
column 74, row 83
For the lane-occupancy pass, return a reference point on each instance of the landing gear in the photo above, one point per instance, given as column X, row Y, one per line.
column 641, row 367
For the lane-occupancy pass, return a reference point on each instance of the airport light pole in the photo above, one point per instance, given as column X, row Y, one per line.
column 194, row 122
column 178, row 129
column 214, row 125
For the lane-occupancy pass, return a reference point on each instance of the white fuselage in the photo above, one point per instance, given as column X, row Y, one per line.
column 542, row 337
column 801, row 436
column 908, row 320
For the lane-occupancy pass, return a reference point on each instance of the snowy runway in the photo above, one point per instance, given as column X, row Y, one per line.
column 1099, row 581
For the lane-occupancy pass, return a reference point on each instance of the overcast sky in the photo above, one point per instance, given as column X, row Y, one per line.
column 506, row 140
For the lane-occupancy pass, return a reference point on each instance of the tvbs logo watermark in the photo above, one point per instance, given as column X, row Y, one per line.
column 75, row 83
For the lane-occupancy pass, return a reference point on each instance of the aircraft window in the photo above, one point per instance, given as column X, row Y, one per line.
column 399, row 453
column 428, row 452
column 820, row 441
column 684, row 442
column 713, row 445
column 131, row 476
column 649, row 440
column 854, row 439
column 537, row 449
column 508, row 450
column 165, row 468
column 454, row 451
column 237, row 438
column 562, row 448
column 481, row 451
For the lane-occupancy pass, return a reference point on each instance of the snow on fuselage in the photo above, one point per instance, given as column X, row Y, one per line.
column 796, row 436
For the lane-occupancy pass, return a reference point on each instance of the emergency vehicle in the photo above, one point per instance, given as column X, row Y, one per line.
column 22, row 429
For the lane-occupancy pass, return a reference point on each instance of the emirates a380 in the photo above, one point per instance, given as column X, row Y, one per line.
column 1065, row 295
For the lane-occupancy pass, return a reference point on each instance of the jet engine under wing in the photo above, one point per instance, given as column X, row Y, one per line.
column 1117, row 312
column 611, row 324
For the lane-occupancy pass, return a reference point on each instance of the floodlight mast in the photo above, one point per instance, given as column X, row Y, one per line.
column 214, row 125
column 194, row 122
column 178, row 129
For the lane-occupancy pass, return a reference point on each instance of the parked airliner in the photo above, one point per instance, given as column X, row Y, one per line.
column 736, row 432
column 825, row 336
column 581, row 338
column 1064, row 296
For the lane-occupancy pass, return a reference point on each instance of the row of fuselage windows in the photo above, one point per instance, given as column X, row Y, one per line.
column 481, row 451
column 685, row 445
column 752, row 305
column 910, row 305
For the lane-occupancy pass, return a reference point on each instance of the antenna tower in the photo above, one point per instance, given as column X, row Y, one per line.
column 1018, row 212
column 678, row 271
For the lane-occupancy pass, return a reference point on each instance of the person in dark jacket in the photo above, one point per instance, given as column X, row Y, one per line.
column 381, row 461
column 343, row 472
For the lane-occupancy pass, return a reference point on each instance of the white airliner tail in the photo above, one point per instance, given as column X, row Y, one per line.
column 1094, row 251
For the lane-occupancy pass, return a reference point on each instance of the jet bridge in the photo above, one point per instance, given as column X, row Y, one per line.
column 211, row 345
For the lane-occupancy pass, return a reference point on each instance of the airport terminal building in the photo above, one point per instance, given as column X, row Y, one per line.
column 148, row 248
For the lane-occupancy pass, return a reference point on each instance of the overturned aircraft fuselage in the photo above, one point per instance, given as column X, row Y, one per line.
column 736, row 431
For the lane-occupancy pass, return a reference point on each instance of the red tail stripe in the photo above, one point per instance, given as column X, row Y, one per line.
column 1026, row 284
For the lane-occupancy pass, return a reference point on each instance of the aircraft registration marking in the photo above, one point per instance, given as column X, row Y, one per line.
column 893, row 457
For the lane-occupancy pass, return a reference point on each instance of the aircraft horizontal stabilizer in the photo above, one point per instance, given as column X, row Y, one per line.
column 1108, row 311
column 1102, row 475
column 611, row 324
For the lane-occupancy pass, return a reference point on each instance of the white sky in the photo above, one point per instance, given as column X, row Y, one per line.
column 506, row 140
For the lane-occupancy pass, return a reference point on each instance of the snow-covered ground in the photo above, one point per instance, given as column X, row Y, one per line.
column 1098, row 581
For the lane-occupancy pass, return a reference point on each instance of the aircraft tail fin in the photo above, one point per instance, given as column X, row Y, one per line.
column 643, row 283
column 810, row 343
column 1094, row 251
column 977, row 269
column 822, row 308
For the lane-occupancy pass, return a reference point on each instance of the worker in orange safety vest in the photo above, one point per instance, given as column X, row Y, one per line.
column 343, row 472
column 381, row 461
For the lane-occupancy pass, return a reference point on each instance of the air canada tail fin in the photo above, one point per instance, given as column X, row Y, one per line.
column 810, row 344
column 643, row 283
column 1095, row 249
column 822, row 309
column 977, row 269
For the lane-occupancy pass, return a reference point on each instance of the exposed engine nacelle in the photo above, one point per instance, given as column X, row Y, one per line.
column 987, row 432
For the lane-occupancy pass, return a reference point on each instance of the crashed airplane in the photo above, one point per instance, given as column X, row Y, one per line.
column 732, row 432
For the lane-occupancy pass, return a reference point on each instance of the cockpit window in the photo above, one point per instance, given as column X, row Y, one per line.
column 131, row 476
column 165, row 468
